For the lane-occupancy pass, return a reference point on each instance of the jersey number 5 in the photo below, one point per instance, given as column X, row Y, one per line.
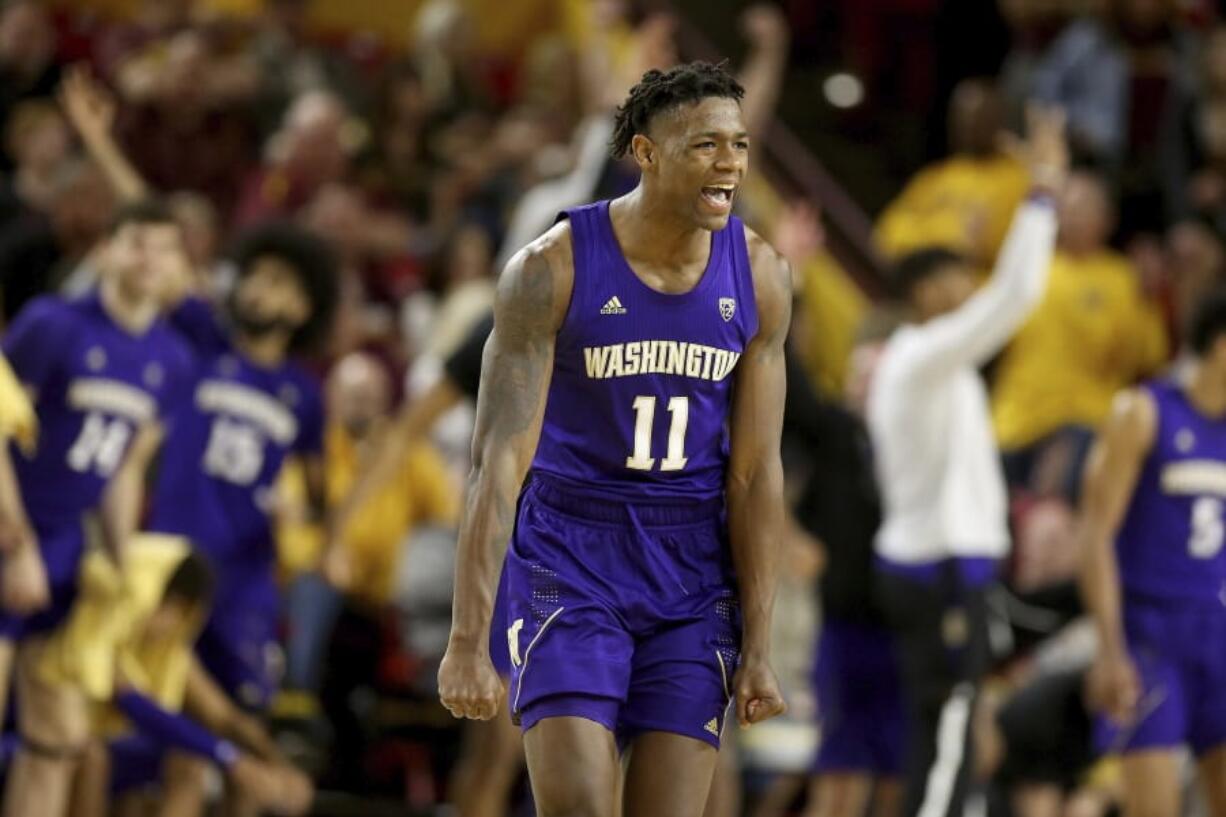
column 644, row 417
column 1208, row 530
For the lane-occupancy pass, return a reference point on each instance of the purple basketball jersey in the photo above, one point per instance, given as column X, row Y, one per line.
column 1170, row 545
column 639, row 401
column 95, row 384
column 227, row 441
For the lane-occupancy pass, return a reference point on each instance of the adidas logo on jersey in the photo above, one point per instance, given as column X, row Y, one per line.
column 713, row 726
column 613, row 306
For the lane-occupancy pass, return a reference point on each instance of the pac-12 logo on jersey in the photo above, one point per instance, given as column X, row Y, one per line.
column 727, row 308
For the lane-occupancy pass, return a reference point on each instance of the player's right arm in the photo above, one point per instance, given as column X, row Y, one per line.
column 1111, row 476
column 533, row 295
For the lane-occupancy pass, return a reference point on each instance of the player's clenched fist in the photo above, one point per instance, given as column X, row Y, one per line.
column 757, row 693
column 468, row 685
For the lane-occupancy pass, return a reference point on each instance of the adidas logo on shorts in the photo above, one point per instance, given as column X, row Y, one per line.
column 613, row 306
column 713, row 726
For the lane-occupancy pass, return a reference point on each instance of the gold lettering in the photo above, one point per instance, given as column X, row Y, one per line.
column 596, row 358
column 632, row 357
column 616, row 363
column 708, row 355
column 649, row 356
column 676, row 357
column 693, row 361
column 733, row 357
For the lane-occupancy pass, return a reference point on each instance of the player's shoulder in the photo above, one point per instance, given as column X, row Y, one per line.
column 52, row 309
column 540, row 277
column 764, row 259
column 1134, row 415
column 554, row 247
column 772, row 279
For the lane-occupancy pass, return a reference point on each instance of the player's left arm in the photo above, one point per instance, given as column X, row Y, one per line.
column 121, row 504
column 756, row 518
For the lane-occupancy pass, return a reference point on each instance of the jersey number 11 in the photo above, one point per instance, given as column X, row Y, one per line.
column 644, row 417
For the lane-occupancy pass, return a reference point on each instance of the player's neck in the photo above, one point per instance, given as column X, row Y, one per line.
column 134, row 315
column 647, row 232
column 265, row 350
column 1206, row 392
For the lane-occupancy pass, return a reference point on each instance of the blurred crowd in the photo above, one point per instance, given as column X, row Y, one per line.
column 426, row 162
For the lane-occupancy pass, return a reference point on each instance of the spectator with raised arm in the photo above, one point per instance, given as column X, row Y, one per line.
column 1094, row 332
column 964, row 202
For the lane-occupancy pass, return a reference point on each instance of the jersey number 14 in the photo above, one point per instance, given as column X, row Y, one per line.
column 644, row 418
column 100, row 446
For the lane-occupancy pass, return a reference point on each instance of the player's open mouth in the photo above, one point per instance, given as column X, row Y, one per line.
column 719, row 196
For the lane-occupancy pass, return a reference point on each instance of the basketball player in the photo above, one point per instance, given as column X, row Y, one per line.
column 944, row 529
column 1154, row 575
column 103, row 371
column 250, row 405
column 642, row 566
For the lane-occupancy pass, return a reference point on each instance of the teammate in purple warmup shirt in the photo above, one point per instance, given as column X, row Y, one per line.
column 104, row 371
column 1154, row 576
column 635, row 376
column 248, row 407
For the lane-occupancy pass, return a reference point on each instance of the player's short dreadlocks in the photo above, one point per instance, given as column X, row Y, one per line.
column 660, row 91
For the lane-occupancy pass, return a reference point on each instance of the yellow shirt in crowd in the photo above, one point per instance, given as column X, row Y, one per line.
column 423, row 491
column 102, row 639
column 1093, row 334
column 963, row 203
column 831, row 308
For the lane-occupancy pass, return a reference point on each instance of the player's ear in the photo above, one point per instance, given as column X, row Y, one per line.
column 644, row 150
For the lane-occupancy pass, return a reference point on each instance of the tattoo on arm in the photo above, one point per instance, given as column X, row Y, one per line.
column 515, row 374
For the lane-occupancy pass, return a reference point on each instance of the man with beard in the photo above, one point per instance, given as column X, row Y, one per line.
column 249, row 408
